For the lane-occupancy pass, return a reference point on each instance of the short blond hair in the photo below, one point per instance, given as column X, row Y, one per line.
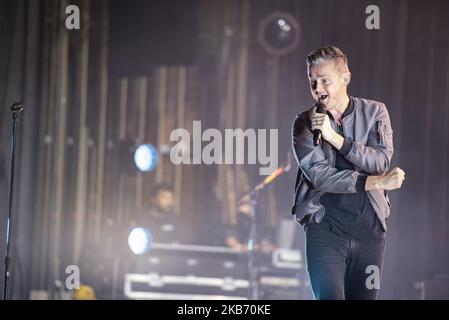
column 327, row 53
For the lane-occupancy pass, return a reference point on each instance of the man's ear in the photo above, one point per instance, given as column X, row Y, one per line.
column 347, row 77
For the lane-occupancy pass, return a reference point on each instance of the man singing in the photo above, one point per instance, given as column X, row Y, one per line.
column 341, row 187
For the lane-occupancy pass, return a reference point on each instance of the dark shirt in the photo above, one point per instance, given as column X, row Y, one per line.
column 350, row 215
column 165, row 228
column 242, row 230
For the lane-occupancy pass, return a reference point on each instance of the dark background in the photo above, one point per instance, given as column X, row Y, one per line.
column 208, row 53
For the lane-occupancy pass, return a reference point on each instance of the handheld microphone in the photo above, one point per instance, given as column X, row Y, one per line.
column 317, row 132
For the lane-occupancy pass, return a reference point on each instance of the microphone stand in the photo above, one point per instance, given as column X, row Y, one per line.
column 253, row 290
column 117, row 224
column 15, row 108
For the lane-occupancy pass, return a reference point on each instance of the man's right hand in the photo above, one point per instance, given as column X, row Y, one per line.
column 390, row 181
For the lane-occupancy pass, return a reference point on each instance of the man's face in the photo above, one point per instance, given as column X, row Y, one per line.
column 246, row 209
column 327, row 84
column 164, row 200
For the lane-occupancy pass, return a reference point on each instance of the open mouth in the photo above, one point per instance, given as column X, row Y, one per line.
column 322, row 97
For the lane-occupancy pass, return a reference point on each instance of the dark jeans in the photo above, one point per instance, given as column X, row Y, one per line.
column 337, row 266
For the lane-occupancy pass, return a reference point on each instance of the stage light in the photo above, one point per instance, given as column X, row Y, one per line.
column 281, row 22
column 279, row 33
column 140, row 241
column 146, row 157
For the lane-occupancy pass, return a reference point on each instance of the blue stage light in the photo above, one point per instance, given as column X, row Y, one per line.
column 140, row 241
column 146, row 157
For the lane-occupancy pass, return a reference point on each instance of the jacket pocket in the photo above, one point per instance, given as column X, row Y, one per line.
column 383, row 132
column 380, row 132
column 307, row 202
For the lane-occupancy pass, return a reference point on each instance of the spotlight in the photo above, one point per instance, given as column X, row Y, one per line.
column 279, row 33
column 140, row 241
column 146, row 157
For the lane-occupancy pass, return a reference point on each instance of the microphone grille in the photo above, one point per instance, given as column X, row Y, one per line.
column 320, row 108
